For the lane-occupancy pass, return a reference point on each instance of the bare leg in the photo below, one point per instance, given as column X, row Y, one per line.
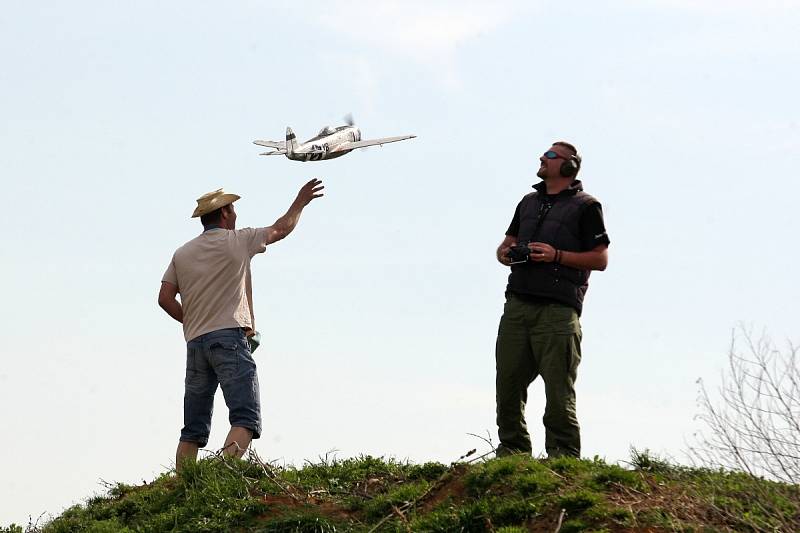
column 237, row 441
column 187, row 451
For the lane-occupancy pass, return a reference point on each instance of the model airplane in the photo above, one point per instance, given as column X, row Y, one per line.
column 329, row 143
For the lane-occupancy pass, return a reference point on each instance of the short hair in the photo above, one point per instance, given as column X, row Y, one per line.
column 214, row 217
column 566, row 145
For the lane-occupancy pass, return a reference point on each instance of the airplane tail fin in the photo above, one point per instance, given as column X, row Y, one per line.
column 291, row 142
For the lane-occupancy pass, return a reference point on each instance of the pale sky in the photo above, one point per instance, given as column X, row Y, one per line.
column 379, row 313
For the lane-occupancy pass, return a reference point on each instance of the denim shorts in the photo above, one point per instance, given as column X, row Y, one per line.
column 222, row 358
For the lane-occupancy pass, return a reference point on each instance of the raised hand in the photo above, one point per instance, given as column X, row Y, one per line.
column 310, row 191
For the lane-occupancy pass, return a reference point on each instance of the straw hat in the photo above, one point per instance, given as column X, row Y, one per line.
column 211, row 201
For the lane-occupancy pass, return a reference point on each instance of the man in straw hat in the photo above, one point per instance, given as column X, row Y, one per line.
column 212, row 274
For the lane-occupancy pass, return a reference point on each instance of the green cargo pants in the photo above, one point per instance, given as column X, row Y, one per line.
column 538, row 340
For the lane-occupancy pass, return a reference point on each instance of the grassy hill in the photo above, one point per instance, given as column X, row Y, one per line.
column 507, row 495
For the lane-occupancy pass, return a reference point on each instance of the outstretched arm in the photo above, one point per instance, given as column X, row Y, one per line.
column 285, row 224
column 168, row 301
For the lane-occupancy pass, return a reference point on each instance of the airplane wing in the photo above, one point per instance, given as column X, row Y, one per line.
column 274, row 152
column 271, row 144
column 371, row 142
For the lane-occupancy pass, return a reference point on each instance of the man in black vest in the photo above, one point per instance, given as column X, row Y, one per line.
column 556, row 238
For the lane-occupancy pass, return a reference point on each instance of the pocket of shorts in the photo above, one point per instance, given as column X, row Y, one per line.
column 225, row 357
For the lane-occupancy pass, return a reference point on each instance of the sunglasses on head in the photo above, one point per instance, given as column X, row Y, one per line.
column 550, row 154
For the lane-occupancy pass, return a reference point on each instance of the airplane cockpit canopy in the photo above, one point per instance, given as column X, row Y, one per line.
column 327, row 130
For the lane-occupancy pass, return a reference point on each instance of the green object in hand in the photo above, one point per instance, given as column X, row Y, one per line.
column 254, row 340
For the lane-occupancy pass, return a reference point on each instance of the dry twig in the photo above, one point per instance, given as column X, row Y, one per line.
column 399, row 513
column 560, row 520
column 270, row 474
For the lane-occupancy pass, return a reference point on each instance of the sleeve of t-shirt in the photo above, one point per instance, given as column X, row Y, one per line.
column 513, row 228
column 171, row 276
column 593, row 228
column 254, row 240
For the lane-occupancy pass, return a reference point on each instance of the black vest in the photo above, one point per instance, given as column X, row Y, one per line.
column 557, row 226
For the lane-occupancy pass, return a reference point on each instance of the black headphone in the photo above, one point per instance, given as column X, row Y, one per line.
column 570, row 167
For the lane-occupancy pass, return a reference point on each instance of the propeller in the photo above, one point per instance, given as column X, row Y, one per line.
column 348, row 119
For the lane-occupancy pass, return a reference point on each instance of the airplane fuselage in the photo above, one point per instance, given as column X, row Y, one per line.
column 319, row 147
